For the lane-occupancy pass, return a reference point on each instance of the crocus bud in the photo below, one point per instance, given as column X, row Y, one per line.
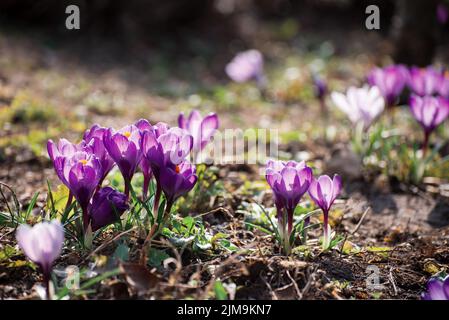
column 323, row 192
column 390, row 80
column 106, row 207
column 42, row 243
column 437, row 289
column 361, row 105
column 201, row 129
column 246, row 66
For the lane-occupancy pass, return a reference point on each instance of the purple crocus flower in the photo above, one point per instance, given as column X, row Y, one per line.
column 390, row 80
column 443, row 88
column 144, row 164
column 437, row 289
column 177, row 180
column 171, row 147
column 124, row 147
column 246, row 66
column 42, row 244
column 430, row 112
column 201, row 129
column 94, row 139
column 323, row 192
column 289, row 181
column 81, row 173
column 424, row 81
column 164, row 147
column 63, row 148
column 106, row 207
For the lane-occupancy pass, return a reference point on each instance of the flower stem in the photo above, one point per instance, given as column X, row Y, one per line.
column 46, row 275
column 425, row 145
column 157, row 197
column 127, row 188
column 146, row 184
column 326, row 229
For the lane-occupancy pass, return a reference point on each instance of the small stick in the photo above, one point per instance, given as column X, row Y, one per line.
column 360, row 221
column 104, row 244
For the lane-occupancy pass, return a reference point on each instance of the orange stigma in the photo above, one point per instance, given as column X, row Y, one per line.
column 83, row 161
column 177, row 169
column 127, row 134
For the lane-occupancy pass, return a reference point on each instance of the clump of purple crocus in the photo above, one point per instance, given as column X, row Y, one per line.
column 201, row 129
column 390, row 80
column 247, row 66
column 430, row 112
column 323, row 192
column 106, row 207
column 289, row 182
column 42, row 244
column 437, row 289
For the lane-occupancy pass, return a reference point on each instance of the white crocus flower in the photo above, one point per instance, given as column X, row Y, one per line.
column 361, row 105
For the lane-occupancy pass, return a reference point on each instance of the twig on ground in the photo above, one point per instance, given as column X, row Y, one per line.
column 360, row 221
column 106, row 243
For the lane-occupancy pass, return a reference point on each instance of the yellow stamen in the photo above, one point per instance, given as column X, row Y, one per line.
column 83, row 161
column 127, row 134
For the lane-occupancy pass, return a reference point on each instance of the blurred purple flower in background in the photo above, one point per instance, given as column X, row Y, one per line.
column 443, row 88
column 201, row 129
column 361, row 105
column 42, row 244
column 442, row 13
column 437, row 289
column 424, row 81
column 106, row 207
column 323, row 192
column 124, row 147
column 430, row 112
column 319, row 86
column 390, row 80
column 289, row 182
column 246, row 66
